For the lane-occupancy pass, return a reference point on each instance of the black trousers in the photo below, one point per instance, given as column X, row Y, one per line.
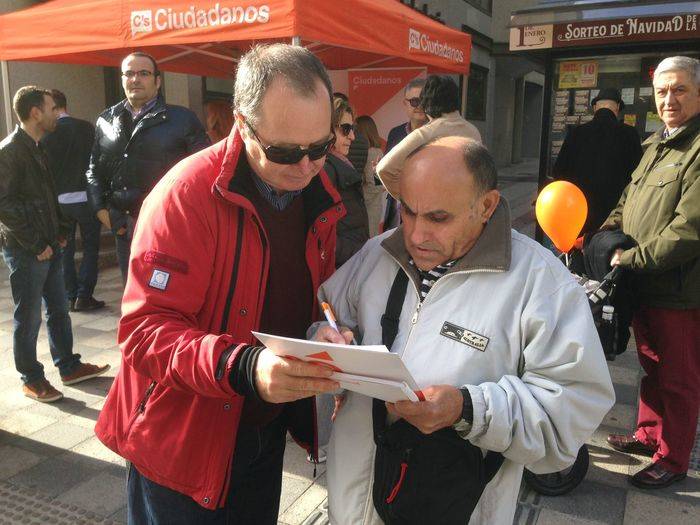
column 254, row 491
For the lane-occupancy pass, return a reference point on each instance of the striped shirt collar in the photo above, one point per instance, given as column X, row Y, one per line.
column 279, row 202
column 429, row 277
column 148, row 106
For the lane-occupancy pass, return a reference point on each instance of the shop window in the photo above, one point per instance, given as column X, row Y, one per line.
column 481, row 5
column 476, row 92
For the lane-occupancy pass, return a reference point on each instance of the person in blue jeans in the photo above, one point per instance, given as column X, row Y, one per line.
column 68, row 148
column 33, row 234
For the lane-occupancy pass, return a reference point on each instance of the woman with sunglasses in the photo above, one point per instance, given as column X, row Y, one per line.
column 353, row 229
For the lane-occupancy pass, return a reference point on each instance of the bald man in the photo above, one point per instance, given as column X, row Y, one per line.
column 495, row 331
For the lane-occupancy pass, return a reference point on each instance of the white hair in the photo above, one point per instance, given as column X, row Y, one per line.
column 680, row 63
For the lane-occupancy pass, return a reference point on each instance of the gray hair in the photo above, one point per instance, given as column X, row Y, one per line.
column 680, row 63
column 300, row 68
column 415, row 83
column 478, row 161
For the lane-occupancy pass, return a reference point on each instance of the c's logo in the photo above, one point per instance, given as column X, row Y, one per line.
column 141, row 22
column 413, row 39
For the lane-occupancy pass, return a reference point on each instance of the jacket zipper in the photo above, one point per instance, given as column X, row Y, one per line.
column 234, row 272
column 416, row 314
column 149, row 391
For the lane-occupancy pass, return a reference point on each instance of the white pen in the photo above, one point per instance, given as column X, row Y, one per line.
column 328, row 312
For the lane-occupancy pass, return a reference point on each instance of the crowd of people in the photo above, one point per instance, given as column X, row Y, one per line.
column 288, row 199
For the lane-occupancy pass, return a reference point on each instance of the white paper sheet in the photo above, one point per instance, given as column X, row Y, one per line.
column 384, row 372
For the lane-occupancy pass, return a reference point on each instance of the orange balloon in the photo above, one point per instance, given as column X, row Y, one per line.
column 561, row 212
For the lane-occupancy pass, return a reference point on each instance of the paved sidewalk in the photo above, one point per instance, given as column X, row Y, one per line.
column 54, row 471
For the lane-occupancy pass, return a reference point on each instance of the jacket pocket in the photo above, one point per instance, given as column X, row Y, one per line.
column 663, row 175
column 141, row 407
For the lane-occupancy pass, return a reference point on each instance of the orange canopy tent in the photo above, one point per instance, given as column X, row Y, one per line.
column 206, row 37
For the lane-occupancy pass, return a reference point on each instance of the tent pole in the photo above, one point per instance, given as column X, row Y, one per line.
column 465, row 80
column 7, row 102
column 296, row 41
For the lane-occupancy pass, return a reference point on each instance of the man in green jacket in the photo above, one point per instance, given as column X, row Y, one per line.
column 660, row 210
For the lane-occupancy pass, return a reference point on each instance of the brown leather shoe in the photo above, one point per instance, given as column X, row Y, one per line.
column 85, row 304
column 84, row 372
column 41, row 391
column 630, row 445
column 655, row 477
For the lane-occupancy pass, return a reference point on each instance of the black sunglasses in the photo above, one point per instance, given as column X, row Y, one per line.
column 280, row 155
column 414, row 102
column 345, row 129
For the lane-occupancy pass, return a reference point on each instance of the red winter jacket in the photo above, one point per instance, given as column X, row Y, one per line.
column 197, row 276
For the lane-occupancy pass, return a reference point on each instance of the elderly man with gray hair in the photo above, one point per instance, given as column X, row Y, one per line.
column 495, row 331
column 660, row 210
column 235, row 238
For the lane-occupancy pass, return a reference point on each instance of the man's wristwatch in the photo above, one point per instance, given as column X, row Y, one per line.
column 464, row 425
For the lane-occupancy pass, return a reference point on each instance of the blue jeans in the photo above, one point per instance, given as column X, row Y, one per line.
column 81, row 283
column 32, row 282
column 254, row 490
column 123, row 242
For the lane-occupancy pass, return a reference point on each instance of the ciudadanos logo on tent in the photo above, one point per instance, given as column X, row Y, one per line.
column 163, row 19
column 418, row 41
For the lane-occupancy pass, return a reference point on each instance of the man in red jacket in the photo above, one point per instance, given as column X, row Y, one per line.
column 235, row 238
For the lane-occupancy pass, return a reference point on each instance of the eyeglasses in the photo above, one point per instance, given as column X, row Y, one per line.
column 414, row 102
column 144, row 73
column 346, row 129
column 280, row 155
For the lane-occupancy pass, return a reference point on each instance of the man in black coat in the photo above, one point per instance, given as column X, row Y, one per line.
column 33, row 233
column 68, row 148
column 599, row 157
column 137, row 141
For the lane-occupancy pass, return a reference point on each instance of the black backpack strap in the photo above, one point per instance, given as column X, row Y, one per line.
column 390, row 328
column 394, row 304
column 492, row 462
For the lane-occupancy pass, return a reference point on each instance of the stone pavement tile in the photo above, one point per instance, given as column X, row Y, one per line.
column 623, row 375
column 591, row 501
column 103, row 494
column 92, row 390
column 59, row 409
column 92, row 449
column 119, row 516
column 61, row 435
column 107, row 323
column 621, row 416
column 626, row 394
column 292, row 488
column 14, row 460
column 12, row 397
column 23, row 423
column 86, row 418
column 295, row 464
column 305, row 504
column 552, row 517
column 81, row 333
column 608, row 467
column 629, row 359
column 104, row 341
column 644, row 508
column 54, row 476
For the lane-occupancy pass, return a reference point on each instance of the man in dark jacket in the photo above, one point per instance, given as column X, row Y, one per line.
column 33, row 233
column 136, row 142
column 659, row 210
column 68, row 148
column 599, row 157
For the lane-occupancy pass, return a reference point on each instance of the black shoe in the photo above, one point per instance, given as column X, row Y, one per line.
column 71, row 304
column 84, row 304
column 630, row 445
column 655, row 477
